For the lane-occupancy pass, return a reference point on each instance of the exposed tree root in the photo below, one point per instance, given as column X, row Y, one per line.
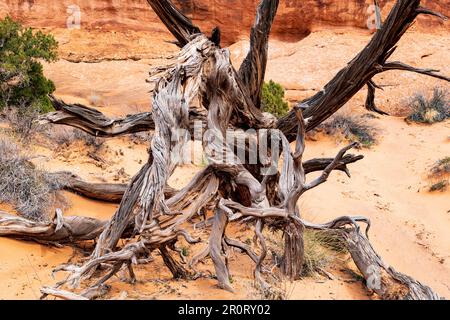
column 388, row 283
column 384, row 280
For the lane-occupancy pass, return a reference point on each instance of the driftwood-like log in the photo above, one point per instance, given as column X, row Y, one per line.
column 384, row 280
column 110, row 192
column 59, row 231
column 97, row 124
column 94, row 122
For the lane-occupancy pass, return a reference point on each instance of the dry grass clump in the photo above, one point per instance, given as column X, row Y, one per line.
column 352, row 128
column 430, row 110
column 31, row 191
column 441, row 167
column 439, row 186
column 66, row 136
column 321, row 248
column 440, row 174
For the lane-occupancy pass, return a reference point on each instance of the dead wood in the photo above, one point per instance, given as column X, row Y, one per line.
column 253, row 68
column 110, row 192
column 176, row 22
column 59, row 231
column 202, row 73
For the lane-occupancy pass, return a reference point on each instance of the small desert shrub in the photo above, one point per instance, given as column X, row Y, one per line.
column 140, row 137
column 30, row 190
column 439, row 186
column 439, row 174
column 434, row 109
column 65, row 136
column 272, row 99
column 441, row 167
column 352, row 128
column 62, row 136
column 22, row 121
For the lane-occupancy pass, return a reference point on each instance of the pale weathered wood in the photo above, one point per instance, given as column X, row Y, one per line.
column 202, row 73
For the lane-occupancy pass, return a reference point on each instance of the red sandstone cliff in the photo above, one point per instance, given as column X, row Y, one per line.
column 295, row 17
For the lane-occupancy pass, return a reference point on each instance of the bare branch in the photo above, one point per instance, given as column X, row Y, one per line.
column 96, row 123
column 321, row 163
column 324, row 176
column 253, row 68
column 370, row 101
column 176, row 22
column 423, row 10
column 397, row 65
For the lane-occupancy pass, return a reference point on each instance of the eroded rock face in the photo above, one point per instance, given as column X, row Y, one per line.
column 295, row 18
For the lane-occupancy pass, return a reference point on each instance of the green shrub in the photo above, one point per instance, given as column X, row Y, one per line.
column 435, row 109
column 272, row 99
column 22, row 81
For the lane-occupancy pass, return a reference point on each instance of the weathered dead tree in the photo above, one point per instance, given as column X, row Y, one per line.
column 201, row 84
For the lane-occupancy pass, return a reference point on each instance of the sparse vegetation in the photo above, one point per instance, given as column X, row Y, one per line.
column 22, row 121
column 65, row 136
column 321, row 247
column 185, row 251
column 440, row 173
column 352, row 128
column 441, row 167
column 439, row 186
column 202, row 75
column 434, row 109
column 31, row 191
column 272, row 99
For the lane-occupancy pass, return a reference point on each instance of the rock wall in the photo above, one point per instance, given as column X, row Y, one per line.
column 295, row 18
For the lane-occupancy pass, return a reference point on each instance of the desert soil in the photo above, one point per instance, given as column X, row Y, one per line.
column 390, row 186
